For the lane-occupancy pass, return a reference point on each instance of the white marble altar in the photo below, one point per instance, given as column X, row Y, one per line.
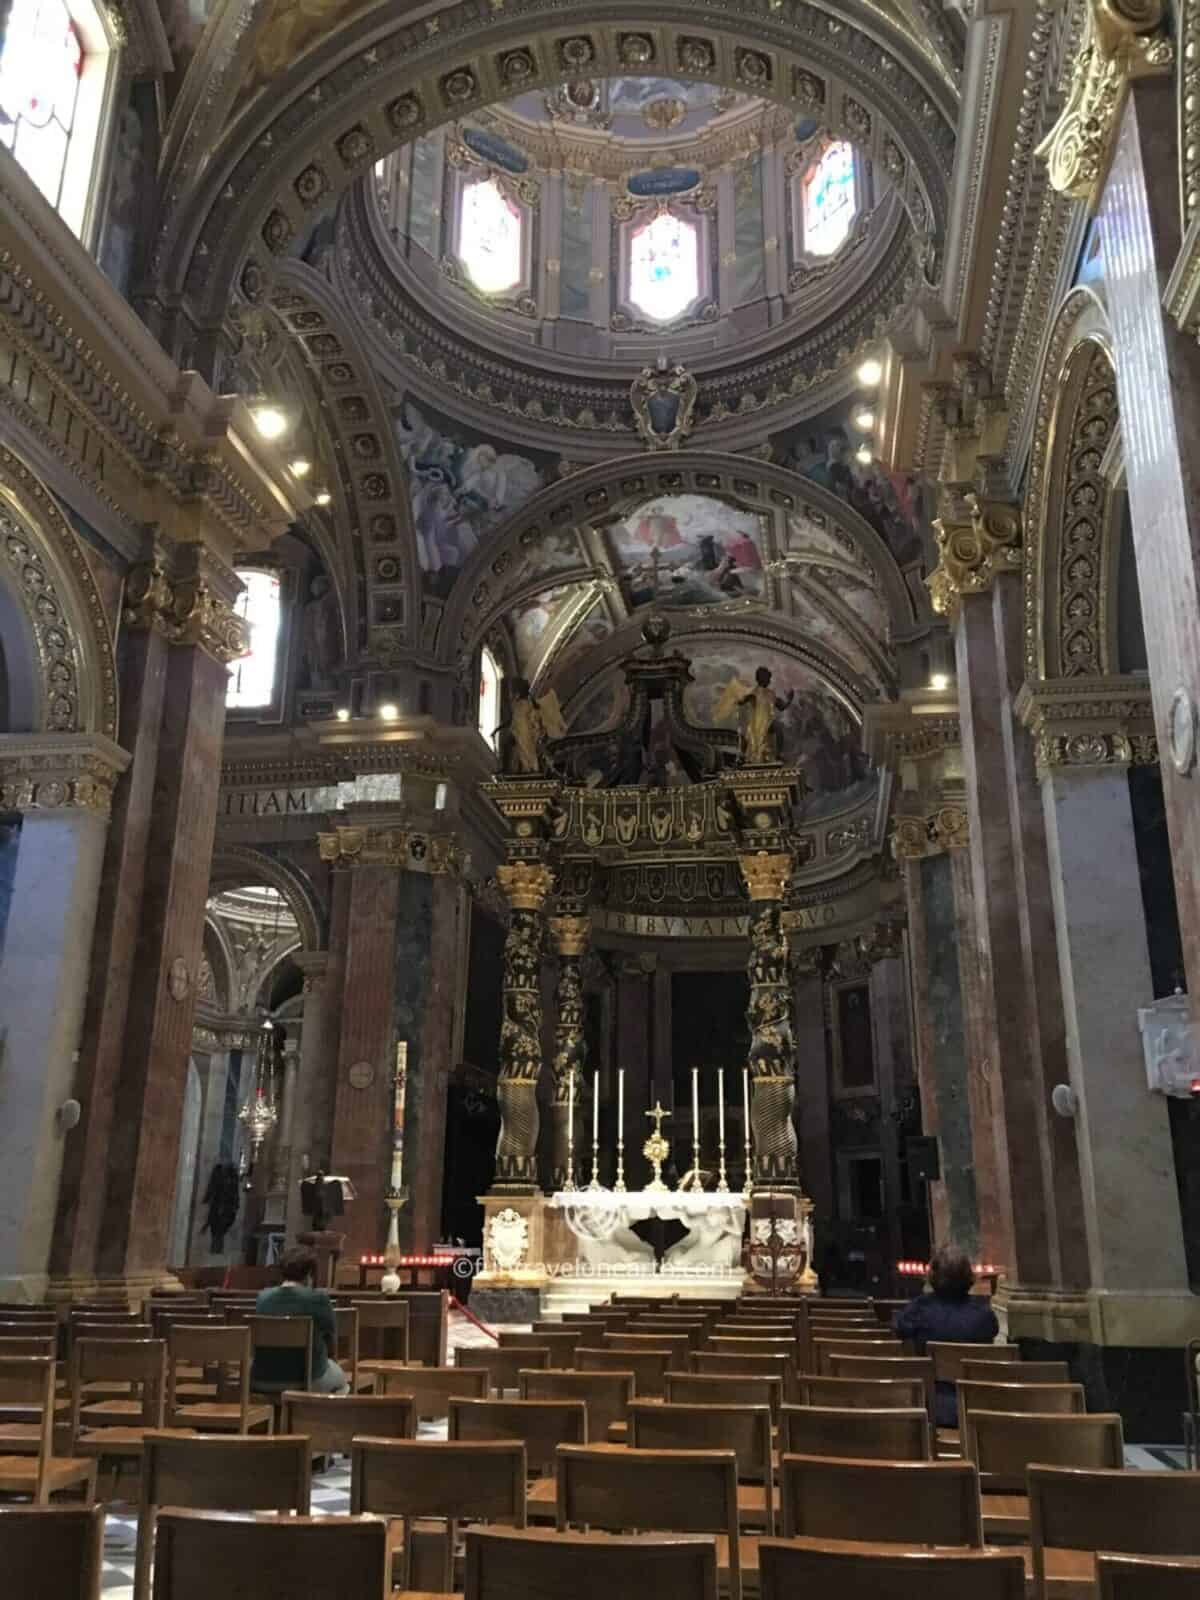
column 601, row 1220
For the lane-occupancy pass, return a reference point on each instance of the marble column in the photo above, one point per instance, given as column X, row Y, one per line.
column 772, row 1043
column 1131, row 1202
column 812, row 1083
column 526, row 885
column 431, row 983
column 43, row 980
column 570, row 935
column 893, row 1062
column 281, row 1155
column 312, row 1128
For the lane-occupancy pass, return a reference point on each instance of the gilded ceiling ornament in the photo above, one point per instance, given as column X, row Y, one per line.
column 664, row 114
column 663, row 402
column 1125, row 40
column 973, row 553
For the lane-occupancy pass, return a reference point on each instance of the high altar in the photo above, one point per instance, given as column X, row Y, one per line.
column 597, row 826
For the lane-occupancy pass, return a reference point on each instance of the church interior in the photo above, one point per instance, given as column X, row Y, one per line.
column 599, row 837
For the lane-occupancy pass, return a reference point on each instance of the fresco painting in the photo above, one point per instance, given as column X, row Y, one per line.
column 689, row 550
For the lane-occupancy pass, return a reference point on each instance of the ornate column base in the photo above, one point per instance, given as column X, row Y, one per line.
column 132, row 1288
column 514, row 1268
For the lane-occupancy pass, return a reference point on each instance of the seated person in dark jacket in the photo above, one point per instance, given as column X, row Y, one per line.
column 275, row 1370
column 950, row 1314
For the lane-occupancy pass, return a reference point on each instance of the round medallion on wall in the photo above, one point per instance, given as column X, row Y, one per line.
column 1181, row 732
column 179, row 979
column 361, row 1075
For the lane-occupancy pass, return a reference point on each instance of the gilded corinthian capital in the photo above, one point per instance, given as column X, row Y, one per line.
column 525, row 884
column 570, row 934
column 767, row 876
column 187, row 610
column 972, row 554
column 1123, row 40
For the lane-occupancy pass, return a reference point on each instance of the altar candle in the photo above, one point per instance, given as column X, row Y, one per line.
column 596, row 1109
column 721, row 1103
column 620, row 1104
column 571, row 1108
column 746, row 1103
column 696, row 1105
column 400, row 1091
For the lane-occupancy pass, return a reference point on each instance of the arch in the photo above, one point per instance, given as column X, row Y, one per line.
column 62, row 667
column 1071, row 526
column 600, row 493
column 367, row 87
column 236, row 864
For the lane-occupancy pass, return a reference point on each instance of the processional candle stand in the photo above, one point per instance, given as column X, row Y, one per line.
column 569, row 1180
column 748, row 1185
column 396, row 1195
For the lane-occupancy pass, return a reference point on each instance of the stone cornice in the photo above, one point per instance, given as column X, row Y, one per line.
column 410, row 848
column 86, row 381
column 59, row 772
column 917, row 728
column 1089, row 722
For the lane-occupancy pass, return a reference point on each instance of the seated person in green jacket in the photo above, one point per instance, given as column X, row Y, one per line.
column 275, row 1370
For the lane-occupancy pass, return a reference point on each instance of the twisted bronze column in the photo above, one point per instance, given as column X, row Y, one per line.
column 772, row 1048
column 570, row 1047
column 526, row 884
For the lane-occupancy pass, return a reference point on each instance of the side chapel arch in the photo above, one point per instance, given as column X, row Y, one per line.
column 235, row 865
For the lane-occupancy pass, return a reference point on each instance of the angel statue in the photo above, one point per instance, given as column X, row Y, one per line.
column 760, row 742
column 531, row 722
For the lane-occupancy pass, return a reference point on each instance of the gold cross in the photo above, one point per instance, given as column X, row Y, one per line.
column 658, row 1114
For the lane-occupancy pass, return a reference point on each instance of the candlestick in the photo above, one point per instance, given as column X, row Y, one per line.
column 619, row 1181
column 722, row 1183
column 569, row 1180
column 595, row 1183
column 395, row 1196
column 697, row 1180
column 748, row 1186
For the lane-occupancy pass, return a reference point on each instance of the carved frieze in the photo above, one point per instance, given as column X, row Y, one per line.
column 1094, row 722
column 59, row 772
column 391, row 847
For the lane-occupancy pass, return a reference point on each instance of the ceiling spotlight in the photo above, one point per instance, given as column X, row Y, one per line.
column 864, row 420
column 342, row 714
column 270, row 421
column 940, row 681
column 323, row 497
column 869, row 373
column 863, row 456
column 300, row 468
column 389, row 713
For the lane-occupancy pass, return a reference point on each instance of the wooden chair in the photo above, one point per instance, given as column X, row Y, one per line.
column 227, row 1350
column 871, row 1394
column 725, row 1389
column 743, row 1328
column 1061, row 1399
column 348, row 1351
column 419, row 1480
column 561, row 1346
column 948, row 1358
column 890, row 1434
column 52, row 1551
column 921, row 1367
column 813, row 1568
column 29, row 1328
column 1021, row 1371
column 163, row 1317
column 717, row 1363
column 1147, row 1578
column 28, row 1382
column 503, row 1366
column 199, row 1473
column 655, row 1491
column 676, row 1346
column 1127, row 1513
column 332, row 1421
column 746, row 1430
column 899, row 1502
column 824, row 1350
column 749, row 1345
column 292, row 1335
column 199, row 1554
column 433, row 1388
column 606, row 1395
column 540, row 1425
column 648, row 1366
column 582, row 1566
column 1003, row 1444
column 114, row 1429
column 671, row 1327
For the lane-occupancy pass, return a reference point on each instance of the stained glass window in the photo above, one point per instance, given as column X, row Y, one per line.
column 489, row 237
column 252, row 679
column 829, row 200
column 489, row 697
column 664, row 267
column 41, row 61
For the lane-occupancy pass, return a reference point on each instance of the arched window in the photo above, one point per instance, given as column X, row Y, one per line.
column 54, row 61
column 252, row 678
column 489, row 237
column 664, row 267
column 490, row 676
column 830, row 201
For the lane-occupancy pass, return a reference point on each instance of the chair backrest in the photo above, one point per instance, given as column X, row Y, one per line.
column 652, row 1491
column 332, row 1421
column 674, row 1345
column 872, row 1394
column 432, row 1388
column 215, row 1345
column 1063, row 1399
column 693, row 1332
column 12, row 1311
column 807, row 1567
column 560, row 1346
column 1147, row 1578
column 648, row 1366
column 742, row 1328
column 141, row 1363
column 746, row 1430
column 889, row 1434
column 846, row 1366
column 28, row 1328
column 514, row 1566
column 948, row 1358
column 52, row 1550
column 606, row 1395
column 540, row 1425
column 292, row 1335
column 1125, row 1512
column 503, row 1366
column 900, row 1502
column 15, row 1344
column 199, row 1554
column 1016, row 1372
column 773, row 1366
column 28, row 1381
column 824, row 1350
column 1002, row 1445
column 725, row 1389
column 483, row 1480
column 384, row 1329
column 101, row 1328
column 211, row 1472
column 164, row 1317
column 750, row 1345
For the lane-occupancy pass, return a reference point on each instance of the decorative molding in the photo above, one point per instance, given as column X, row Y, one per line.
column 916, row 836
column 972, row 555
column 59, row 772
column 187, row 610
column 1093, row 722
column 411, row 849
